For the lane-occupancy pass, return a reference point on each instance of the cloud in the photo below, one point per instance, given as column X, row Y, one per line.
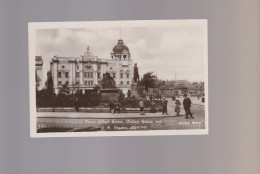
column 164, row 50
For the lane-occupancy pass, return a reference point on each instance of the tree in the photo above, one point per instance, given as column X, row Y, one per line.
column 148, row 81
column 49, row 84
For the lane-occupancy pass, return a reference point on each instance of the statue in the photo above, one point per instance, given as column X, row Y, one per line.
column 107, row 81
column 136, row 74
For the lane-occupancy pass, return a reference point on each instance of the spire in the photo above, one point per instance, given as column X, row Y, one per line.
column 120, row 33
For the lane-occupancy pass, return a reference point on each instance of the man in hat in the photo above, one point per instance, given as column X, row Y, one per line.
column 187, row 105
column 164, row 106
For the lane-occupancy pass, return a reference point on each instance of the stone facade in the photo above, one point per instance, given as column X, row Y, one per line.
column 86, row 72
column 39, row 72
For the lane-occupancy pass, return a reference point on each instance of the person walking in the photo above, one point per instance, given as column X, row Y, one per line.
column 164, row 106
column 112, row 107
column 141, row 105
column 177, row 106
column 117, row 107
column 187, row 105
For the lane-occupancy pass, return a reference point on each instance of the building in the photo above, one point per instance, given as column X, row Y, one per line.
column 86, row 71
column 39, row 72
column 181, row 87
column 196, row 89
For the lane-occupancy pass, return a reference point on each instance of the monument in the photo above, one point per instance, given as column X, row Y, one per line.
column 109, row 91
column 135, row 82
column 136, row 74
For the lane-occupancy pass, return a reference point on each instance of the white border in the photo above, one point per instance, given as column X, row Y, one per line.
column 32, row 27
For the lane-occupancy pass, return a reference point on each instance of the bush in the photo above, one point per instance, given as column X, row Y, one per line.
column 45, row 99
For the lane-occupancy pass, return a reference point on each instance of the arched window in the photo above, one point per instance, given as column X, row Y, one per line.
column 88, row 71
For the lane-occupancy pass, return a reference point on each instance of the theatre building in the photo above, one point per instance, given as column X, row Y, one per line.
column 86, row 71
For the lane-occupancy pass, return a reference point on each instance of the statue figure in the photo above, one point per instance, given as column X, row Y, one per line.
column 136, row 74
column 107, row 81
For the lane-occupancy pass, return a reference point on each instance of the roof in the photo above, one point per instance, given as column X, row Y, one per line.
column 120, row 47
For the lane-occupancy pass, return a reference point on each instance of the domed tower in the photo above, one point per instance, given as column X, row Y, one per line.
column 120, row 66
column 120, row 51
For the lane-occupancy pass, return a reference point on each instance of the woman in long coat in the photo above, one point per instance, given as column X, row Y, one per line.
column 177, row 106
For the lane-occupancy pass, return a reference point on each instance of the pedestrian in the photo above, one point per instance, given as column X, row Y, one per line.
column 187, row 105
column 141, row 105
column 173, row 97
column 117, row 107
column 77, row 103
column 177, row 106
column 164, row 106
column 112, row 107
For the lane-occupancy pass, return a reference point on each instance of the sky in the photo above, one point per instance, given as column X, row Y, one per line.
column 162, row 50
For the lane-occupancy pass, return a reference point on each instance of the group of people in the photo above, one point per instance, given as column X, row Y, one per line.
column 186, row 105
column 114, row 107
column 164, row 102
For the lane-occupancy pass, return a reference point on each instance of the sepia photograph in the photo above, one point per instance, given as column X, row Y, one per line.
column 118, row 78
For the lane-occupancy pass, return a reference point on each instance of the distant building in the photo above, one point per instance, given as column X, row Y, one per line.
column 86, row 71
column 38, row 72
column 181, row 87
column 196, row 89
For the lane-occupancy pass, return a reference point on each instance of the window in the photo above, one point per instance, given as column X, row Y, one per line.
column 127, row 82
column 77, row 66
column 59, row 74
column 91, row 82
column 98, row 74
column 127, row 75
column 86, row 82
column 114, row 75
column 66, row 74
column 121, row 82
column 99, row 67
column 77, row 74
column 121, row 75
column 59, row 82
column 91, row 75
column 85, row 74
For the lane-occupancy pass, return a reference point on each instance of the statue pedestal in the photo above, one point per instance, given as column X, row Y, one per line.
column 134, row 89
column 109, row 94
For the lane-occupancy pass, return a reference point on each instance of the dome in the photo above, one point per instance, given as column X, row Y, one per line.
column 120, row 47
